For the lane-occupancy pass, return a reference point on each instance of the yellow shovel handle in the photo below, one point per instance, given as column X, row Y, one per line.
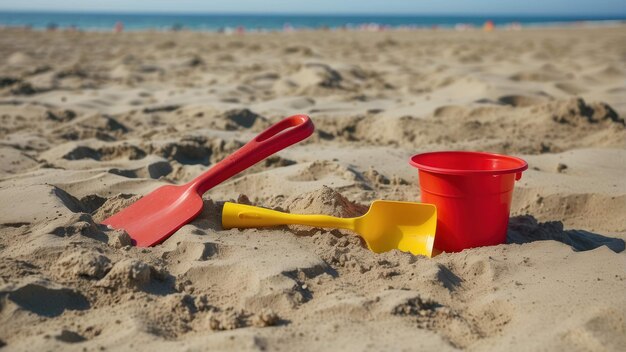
column 243, row 216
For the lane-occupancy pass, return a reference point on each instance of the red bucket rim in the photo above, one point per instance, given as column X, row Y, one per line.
column 523, row 165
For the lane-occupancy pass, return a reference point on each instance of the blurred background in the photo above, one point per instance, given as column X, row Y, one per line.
column 288, row 15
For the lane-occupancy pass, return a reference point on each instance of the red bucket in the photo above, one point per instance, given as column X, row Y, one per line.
column 472, row 192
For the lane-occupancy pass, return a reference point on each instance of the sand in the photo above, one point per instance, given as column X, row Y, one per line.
column 90, row 122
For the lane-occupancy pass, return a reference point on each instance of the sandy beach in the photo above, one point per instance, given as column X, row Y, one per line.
column 90, row 122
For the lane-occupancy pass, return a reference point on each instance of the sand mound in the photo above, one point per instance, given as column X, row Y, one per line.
column 113, row 205
column 244, row 118
column 318, row 74
column 127, row 274
column 324, row 201
column 310, row 78
column 576, row 112
column 84, row 263
column 19, row 59
column 187, row 151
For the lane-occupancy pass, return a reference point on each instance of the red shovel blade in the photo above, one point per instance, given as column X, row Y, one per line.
column 153, row 218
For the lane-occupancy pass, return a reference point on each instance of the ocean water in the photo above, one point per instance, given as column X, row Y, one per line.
column 212, row 22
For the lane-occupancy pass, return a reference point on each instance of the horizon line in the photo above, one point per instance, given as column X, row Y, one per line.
column 341, row 14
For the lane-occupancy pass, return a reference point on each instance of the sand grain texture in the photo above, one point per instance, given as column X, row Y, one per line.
column 89, row 122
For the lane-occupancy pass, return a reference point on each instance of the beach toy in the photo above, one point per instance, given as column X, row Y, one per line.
column 156, row 216
column 409, row 227
column 472, row 192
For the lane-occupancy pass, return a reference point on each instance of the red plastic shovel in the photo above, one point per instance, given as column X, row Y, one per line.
column 156, row 216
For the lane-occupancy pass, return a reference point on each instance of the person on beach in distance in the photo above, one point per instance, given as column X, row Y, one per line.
column 489, row 26
column 119, row 27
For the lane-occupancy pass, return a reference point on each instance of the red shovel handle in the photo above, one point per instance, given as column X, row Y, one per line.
column 277, row 137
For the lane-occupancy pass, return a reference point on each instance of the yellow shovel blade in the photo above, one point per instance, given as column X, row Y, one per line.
column 409, row 227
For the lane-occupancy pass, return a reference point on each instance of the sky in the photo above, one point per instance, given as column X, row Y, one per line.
column 425, row 7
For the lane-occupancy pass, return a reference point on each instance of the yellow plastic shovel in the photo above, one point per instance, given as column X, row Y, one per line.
column 409, row 227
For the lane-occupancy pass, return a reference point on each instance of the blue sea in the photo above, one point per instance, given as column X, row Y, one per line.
column 213, row 22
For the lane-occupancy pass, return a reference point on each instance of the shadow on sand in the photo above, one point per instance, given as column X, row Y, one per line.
column 525, row 229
